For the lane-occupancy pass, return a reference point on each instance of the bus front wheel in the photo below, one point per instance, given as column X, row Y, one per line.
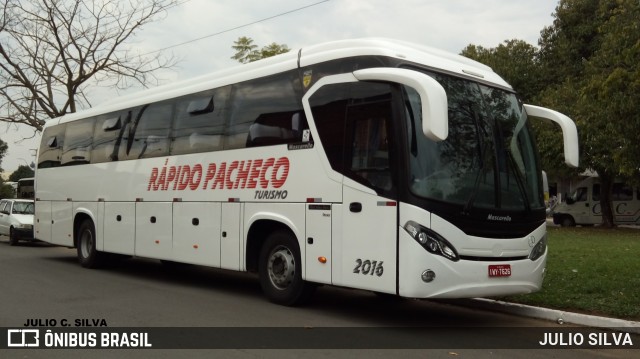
column 88, row 255
column 280, row 270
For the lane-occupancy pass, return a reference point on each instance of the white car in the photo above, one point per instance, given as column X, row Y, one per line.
column 16, row 219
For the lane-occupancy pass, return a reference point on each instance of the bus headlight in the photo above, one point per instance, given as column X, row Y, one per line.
column 539, row 249
column 431, row 241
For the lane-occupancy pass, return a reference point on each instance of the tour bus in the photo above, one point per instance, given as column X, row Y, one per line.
column 25, row 188
column 582, row 207
column 372, row 164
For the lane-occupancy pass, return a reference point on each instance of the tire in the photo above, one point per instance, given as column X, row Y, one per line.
column 567, row 221
column 88, row 255
column 280, row 270
column 13, row 239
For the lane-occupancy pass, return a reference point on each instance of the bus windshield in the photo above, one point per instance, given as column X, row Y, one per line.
column 489, row 160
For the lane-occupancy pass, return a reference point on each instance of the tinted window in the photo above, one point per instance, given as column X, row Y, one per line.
column 595, row 193
column 622, row 192
column 329, row 106
column 353, row 122
column 264, row 112
column 107, row 131
column 51, row 146
column 78, row 141
column 148, row 135
column 199, row 123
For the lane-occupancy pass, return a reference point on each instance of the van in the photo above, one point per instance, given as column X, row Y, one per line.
column 582, row 207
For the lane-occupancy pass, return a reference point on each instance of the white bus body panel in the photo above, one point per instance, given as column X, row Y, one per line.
column 470, row 277
column 154, row 229
column 119, row 227
column 62, row 223
column 231, row 243
column 196, row 233
column 318, row 218
column 368, row 246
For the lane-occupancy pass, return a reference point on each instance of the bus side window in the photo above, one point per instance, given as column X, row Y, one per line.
column 105, row 137
column 353, row 122
column 51, row 146
column 148, row 136
column 329, row 106
column 595, row 192
column 199, row 122
column 368, row 119
column 264, row 113
column 78, row 142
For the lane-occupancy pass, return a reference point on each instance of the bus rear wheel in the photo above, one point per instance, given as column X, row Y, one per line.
column 88, row 255
column 280, row 271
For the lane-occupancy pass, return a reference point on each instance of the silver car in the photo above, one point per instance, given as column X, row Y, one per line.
column 16, row 219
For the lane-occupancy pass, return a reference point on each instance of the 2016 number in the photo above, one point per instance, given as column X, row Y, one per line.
column 368, row 267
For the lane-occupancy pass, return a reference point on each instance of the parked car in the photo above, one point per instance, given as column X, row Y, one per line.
column 16, row 219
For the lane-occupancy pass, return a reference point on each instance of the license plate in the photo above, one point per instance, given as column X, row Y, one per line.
column 500, row 270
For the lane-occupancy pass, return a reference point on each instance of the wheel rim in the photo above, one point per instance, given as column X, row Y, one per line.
column 86, row 243
column 281, row 267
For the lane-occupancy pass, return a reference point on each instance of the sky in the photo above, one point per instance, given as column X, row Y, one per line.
column 450, row 25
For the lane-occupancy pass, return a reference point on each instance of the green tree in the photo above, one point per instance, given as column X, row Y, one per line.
column 515, row 61
column 6, row 191
column 590, row 56
column 247, row 51
column 20, row 173
column 52, row 51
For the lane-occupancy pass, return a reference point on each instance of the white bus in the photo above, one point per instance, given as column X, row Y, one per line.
column 371, row 164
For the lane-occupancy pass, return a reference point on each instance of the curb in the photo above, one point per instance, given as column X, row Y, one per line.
column 554, row 315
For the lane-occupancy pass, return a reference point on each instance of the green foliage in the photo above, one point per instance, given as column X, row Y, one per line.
column 592, row 270
column 513, row 60
column 247, row 51
column 22, row 172
column 587, row 67
column 3, row 151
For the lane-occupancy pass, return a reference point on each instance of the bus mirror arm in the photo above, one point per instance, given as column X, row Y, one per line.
column 435, row 121
column 569, row 131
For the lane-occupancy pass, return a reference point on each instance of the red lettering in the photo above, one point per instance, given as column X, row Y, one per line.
column 178, row 173
column 254, row 173
column 170, row 177
column 153, row 178
column 185, row 177
column 220, row 176
column 282, row 168
column 232, row 167
column 211, row 171
column 195, row 181
column 243, row 174
column 264, row 182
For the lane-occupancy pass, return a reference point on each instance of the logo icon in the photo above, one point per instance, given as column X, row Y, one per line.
column 23, row 338
column 306, row 78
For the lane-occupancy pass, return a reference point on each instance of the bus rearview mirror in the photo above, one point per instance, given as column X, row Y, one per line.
column 435, row 120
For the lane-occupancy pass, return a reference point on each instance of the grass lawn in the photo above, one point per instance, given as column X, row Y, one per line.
column 591, row 270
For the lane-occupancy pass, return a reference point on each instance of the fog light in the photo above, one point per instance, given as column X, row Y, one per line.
column 428, row 276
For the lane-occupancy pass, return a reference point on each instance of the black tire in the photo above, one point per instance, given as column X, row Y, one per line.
column 88, row 255
column 567, row 221
column 13, row 239
column 280, row 271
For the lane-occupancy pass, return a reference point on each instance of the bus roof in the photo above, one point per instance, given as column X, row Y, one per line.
column 415, row 53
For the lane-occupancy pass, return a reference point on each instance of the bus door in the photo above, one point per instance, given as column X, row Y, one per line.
column 353, row 121
column 369, row 215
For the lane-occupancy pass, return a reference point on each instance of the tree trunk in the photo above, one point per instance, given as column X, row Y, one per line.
column 606, row 187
